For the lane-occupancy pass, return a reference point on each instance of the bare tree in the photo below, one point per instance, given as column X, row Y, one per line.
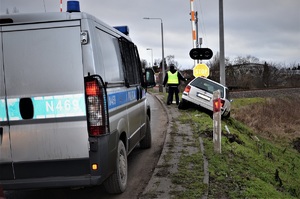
column 245, row 60
column 266, row 75
column 144, row 63
column 170, row 59
column 15, row 10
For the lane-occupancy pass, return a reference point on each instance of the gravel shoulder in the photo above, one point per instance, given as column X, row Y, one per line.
column 179, row 140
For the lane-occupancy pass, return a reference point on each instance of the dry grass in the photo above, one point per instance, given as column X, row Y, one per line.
column 276, row 119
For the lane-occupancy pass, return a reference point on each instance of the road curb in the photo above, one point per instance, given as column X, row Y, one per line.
column 161, row 184
column 153, row 188
column 177, row 139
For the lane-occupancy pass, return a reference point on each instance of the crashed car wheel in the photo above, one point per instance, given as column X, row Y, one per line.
column 183, row 105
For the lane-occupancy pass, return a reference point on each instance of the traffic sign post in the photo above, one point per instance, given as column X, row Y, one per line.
column 201, row 70
column 217, row 121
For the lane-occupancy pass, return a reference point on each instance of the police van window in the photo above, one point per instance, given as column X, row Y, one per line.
column 41, row 64
column 110, row 55
column 131, row 62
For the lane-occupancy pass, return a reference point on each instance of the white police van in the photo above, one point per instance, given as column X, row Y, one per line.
column 72, row 101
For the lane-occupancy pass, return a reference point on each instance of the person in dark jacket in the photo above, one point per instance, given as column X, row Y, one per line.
column 172, row 79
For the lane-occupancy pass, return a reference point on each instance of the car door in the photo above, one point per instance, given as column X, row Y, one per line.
column 43, row 88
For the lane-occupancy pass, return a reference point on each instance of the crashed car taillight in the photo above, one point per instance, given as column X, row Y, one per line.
column 187, row 89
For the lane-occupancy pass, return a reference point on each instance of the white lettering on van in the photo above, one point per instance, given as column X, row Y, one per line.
column 75, row 104
column 62, row 105
column 49, row 106
column 131, row 95
column 112, row 101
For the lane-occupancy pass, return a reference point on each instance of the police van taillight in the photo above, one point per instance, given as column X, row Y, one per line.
column 96, row 106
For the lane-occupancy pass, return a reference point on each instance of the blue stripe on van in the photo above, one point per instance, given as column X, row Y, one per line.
column 121, row 98
column 2, row 111
column 59, row 106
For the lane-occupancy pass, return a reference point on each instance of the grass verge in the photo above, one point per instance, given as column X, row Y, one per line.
column 251, row 165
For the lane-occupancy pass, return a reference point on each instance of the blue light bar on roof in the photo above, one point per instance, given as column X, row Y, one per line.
column 73, row 6
column 122, row 29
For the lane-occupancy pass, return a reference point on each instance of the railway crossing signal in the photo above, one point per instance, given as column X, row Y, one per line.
column 201, row 53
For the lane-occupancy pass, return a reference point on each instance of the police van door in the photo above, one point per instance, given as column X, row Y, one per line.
column 135, row 111
column 6, row 169
column 44, row 92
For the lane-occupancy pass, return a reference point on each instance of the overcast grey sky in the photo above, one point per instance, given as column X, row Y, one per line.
column 266, row 29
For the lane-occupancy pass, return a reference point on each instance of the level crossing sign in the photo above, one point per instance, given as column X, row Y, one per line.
column 201, row 70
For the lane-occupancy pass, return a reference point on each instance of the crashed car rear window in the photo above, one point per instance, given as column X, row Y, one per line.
column 207, row 86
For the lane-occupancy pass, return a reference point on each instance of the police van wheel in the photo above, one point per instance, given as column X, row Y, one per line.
column 146, row 142
column 117, row 182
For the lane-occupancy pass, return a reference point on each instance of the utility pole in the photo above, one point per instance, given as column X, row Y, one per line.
column 222, row 53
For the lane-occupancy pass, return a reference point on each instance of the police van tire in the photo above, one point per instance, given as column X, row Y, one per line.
column 146, row 142
column 117, row 182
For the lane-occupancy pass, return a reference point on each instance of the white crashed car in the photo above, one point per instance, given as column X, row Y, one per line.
column 200, row 92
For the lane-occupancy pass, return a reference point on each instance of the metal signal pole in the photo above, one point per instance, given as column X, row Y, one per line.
column 222, row 53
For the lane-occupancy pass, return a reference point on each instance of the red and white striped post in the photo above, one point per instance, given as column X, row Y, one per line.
column 193, row 20
column 217, row 121
column 60, row 3
column 194, row 30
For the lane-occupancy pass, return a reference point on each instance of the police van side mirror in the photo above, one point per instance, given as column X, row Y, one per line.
column 149, row 78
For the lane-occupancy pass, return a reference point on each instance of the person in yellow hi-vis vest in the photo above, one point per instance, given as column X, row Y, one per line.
column 173, row 78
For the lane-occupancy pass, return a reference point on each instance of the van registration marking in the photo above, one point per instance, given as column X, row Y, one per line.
column 57, row 106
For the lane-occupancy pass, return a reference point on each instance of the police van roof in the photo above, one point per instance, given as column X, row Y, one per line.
column 24, row 18
column 44, row 17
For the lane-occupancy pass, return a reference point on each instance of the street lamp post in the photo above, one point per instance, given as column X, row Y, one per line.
column 162, row 47
column 151, row 56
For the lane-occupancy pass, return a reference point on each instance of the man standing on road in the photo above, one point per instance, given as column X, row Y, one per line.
column 173, row 78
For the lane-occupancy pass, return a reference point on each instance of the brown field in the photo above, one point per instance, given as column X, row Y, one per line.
column 276, row 119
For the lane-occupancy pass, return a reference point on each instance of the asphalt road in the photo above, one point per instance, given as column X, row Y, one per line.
column 141, row 165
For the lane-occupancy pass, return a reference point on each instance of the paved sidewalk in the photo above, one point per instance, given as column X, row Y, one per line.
column 179, row 140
